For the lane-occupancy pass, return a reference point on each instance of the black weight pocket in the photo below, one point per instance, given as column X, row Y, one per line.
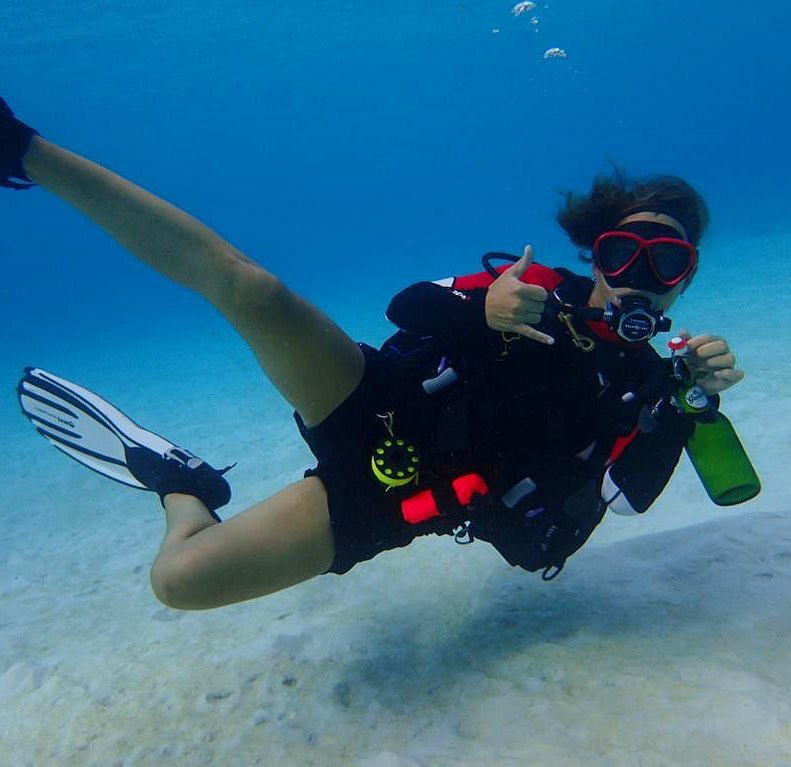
column 546, row 539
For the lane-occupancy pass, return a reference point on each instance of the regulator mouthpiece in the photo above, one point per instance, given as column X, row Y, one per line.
column 635, row 320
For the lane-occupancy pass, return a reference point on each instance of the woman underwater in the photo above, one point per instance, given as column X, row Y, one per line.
column 514, row 405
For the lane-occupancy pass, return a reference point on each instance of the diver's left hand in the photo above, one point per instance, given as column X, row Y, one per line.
column 711, row 362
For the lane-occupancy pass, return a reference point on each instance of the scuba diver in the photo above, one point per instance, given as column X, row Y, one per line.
column 514, row 405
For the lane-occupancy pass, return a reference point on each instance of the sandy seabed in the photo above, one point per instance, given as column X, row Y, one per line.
column 665, row 641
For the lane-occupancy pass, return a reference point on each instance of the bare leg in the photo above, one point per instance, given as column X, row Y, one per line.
column 287, row 538
column 311, row 361
column 275, row 544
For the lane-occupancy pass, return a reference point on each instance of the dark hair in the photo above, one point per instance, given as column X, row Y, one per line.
column 611, row 198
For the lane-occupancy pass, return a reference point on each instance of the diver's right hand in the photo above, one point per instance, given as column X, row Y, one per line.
column 15, row 138
column 513, row 306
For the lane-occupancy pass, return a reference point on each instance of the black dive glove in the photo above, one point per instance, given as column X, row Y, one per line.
column 15, row 139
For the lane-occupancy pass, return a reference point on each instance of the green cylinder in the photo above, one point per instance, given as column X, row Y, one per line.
column 718, row 455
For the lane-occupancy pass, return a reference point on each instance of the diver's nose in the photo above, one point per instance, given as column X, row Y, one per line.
column 640, row 273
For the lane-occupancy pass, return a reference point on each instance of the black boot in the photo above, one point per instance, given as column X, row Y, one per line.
column 15, row 138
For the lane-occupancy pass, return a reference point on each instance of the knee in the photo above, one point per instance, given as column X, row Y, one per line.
column 253, row 288
column 174, row 584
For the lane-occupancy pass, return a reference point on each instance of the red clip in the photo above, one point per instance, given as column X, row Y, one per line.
column 419, row 508
column 423, row 505
column 468, row 486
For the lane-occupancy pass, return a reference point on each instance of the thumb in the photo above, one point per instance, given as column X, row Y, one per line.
column 523, row 264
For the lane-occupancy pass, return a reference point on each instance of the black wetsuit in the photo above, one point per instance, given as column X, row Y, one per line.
column 539, row 424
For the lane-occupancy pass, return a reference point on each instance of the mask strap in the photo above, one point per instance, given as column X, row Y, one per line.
column 656, row 218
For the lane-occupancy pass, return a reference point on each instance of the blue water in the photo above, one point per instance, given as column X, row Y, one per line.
column 354, row 148
column 342, row 144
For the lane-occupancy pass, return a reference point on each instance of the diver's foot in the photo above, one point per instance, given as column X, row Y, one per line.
column 95, row 433
column 179, row 471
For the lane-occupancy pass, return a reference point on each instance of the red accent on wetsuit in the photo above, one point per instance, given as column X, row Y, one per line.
column 621, row 443
column 536, row 274
column 468, row 486
column 420, row 507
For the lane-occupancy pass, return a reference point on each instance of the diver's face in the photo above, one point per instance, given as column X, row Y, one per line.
column 645, row 224
column 603, row 293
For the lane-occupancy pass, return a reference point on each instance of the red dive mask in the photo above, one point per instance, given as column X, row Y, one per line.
column 665, row 261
